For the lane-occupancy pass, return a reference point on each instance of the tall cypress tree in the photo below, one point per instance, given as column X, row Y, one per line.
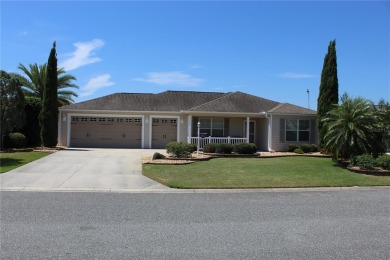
column 48, row 117
column 329, row 88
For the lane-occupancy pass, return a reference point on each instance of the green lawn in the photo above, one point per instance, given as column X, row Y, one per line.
column 260, row 173
column 12, row 160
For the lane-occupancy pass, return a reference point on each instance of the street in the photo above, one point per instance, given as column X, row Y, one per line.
column 344, row 224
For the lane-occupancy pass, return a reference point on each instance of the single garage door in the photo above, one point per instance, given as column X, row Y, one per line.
column 106, row 132
column 164, row 130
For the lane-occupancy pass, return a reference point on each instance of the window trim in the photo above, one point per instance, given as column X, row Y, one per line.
column 211, row 128
column 297, row 140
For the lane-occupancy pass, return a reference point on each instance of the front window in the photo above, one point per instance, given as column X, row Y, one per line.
column 297, row 130
column 211, row 127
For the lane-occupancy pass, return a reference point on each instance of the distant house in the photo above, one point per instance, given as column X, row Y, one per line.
column 126, row 120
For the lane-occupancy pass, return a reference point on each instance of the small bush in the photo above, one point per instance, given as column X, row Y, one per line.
column 17, row 140
column 245, row 148
column 383, row 162
column 298, row 151
column 313, row 148
column 291, row 148
column 210, row 148
column 306, row 148
column 157, row 156
column 180, row 149
column 365, row 161
column 224, row 148
column 194, row 147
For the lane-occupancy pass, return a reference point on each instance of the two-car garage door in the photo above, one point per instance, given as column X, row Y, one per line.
column 106, row 132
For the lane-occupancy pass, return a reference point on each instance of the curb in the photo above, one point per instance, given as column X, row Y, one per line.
column 199, row 191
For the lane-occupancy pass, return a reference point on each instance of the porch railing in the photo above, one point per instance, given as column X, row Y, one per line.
column 216, row 140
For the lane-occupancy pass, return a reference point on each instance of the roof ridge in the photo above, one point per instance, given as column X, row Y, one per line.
column 300, row 107
column 276, row 107
column 258, row 97
column 186, row 91
column 225, row 95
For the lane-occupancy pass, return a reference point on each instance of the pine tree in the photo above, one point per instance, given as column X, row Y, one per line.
column 329, row 88
column 48, row 117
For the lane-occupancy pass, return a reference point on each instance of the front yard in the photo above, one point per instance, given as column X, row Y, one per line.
column 260, row 173
column 12, row 160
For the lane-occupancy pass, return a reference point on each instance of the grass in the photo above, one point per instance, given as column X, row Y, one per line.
column 260, row 173
column 12, row 160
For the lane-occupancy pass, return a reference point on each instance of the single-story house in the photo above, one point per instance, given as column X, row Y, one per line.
column 128, row 120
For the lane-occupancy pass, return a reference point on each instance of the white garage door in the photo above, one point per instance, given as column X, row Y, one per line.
column 106, row 132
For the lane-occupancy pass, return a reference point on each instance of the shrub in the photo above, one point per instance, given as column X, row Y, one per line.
column 298, row 151
column 245, row 148
column 179, row 149
column 17, row 140
column 291, row 148
column 383, row 162
column 365, row 161
column 210, row 148
column 313, row 148
column 224, row 148
column 194, row 147
column 157, row 156
column 306, row 148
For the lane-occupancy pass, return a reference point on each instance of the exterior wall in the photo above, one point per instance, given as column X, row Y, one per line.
column 63, row 129
column 262, row 134
column 236, row 127
column 183, row 134
column 281, row 145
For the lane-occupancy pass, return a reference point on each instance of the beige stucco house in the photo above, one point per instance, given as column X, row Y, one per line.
column 126, row 120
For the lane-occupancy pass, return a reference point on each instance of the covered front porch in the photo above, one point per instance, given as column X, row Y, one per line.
column 228, row 130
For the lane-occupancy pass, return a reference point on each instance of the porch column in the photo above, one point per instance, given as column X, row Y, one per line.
column 189, row 129
column 247, row 128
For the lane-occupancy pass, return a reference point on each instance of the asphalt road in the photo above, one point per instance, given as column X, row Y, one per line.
column 349, row 224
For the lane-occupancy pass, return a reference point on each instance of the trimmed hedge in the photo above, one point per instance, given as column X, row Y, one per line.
column 17, row 140
column 298, row 151
column 210, row 148
column 313, row 148
column 157, row 156
column 224, row 148
column 291, row 148
column 180, row 149
column 365, row 161
column 245, row 148
column 306, row 148
column 368, row 162
column 384, row 162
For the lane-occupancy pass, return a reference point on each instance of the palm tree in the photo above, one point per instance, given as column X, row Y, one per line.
column 36, row 79
column 352, row 128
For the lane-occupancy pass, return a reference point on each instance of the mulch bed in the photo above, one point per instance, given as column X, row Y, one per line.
column 207, row 156
column 376, row 172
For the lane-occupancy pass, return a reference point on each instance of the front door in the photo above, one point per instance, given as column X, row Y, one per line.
column 252, row 130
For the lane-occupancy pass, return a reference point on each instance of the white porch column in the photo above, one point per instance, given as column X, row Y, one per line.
column 189, row 129
column 247, row 129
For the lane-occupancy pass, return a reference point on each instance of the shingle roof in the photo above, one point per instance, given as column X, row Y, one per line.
column 175, row 101
column 286, row 108
column 237, row 102
column 165, row 101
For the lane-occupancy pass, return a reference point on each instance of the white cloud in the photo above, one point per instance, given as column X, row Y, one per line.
column 83, row 55
column 95, row 84
column 170, row 78
column 292, row 75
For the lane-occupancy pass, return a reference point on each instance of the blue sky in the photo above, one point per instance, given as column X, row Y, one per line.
column 270, row 49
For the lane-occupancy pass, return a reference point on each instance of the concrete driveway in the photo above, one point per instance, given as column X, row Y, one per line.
column 83, row 169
